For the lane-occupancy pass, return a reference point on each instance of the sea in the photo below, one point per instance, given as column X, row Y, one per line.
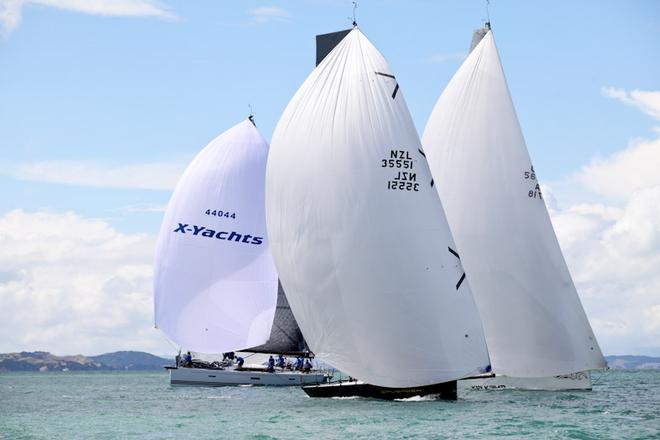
column 624, row 404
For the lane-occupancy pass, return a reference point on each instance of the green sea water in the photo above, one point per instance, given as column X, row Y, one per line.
column 127, row 405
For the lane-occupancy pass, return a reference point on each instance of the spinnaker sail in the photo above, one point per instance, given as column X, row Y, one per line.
column 215, row 282
column 534, row 322
column 372, row 276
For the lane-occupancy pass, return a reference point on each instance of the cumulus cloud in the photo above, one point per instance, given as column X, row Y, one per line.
column 11, row 11
column 70, row 284
column 141, row 208
column 646, row 101
column 634, row 168
column 623, row 173
column 156, row 176
column 613, row 247
column 614, row 257
column 266, row 14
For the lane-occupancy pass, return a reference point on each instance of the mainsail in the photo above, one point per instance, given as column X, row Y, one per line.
column 215, row 282
column 534, row 322
column 373, row 278
column 285, row 336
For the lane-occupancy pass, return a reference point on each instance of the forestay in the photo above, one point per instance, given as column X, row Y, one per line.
column 534, row 322
column 370, row 273
column 215, row 282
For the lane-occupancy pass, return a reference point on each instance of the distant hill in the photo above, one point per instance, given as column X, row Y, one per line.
column 131, row 360
column 633, row 362
column 44, row 361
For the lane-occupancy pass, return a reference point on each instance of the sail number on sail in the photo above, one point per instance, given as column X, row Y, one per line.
column 404, row 180
column 220, row 213
column 536, row 191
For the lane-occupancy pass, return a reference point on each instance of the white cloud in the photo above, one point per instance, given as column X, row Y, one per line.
column 444, row 57
column 613, row 247
column 624, row 172
column 646, row 101
column 614, row 257
column 157, row 176
column 267, row 14
column 74, row 285
column 141, row 208
column 11, row 11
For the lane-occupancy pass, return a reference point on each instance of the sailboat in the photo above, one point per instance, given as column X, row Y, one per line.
column 537, row 332
column 374, row 280
column 215, row 283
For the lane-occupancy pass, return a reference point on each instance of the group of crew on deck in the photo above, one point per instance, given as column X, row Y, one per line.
column 286, row 364
column 282, row 363
column 229, row 359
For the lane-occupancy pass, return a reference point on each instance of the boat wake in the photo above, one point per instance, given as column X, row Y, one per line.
column 427, row 398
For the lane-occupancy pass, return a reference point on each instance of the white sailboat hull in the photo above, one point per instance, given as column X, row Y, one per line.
column 229, row 377
column 574, row 381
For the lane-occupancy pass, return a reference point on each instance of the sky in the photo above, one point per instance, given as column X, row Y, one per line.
column 103, row 103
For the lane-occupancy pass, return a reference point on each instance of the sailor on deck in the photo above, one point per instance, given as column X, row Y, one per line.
column 280, row 361
column 308, row 366
column 271, row 364
column 239, row 363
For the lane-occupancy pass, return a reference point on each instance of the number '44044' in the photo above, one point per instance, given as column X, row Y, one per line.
column 219, row 213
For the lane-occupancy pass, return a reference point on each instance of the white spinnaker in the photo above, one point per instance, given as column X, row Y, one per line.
column 215, row 291
column 534, row 322
column 367, row 270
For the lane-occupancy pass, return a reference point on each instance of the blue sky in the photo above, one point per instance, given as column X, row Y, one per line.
column 102, row 106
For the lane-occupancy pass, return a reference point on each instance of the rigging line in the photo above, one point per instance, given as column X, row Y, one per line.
column 169, row 341
column 600, row 377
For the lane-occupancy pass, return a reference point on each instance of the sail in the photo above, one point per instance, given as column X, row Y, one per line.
column 534, row 322
column 285, row 336
column 372, row 277
column 479, row 35
column 215, row 282
column 326, row 42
